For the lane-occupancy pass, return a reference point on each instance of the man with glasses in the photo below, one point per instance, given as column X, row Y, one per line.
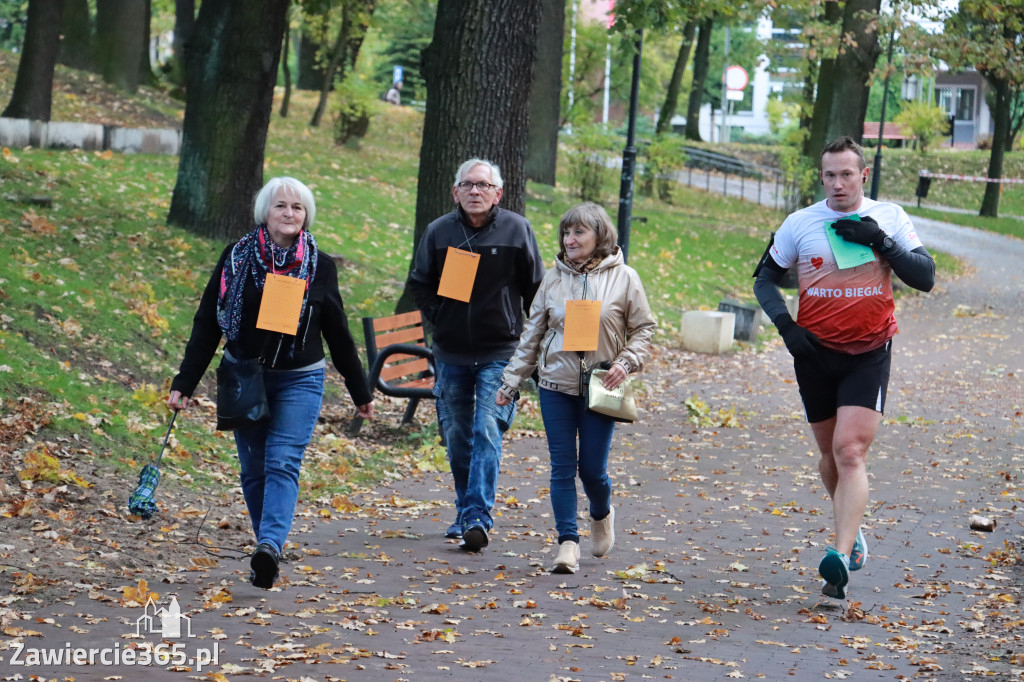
column 475, row 272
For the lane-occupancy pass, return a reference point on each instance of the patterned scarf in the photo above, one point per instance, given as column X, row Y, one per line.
column 256, row 253
column 584, row 268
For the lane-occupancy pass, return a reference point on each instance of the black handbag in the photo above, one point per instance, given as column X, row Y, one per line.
column 241, row 395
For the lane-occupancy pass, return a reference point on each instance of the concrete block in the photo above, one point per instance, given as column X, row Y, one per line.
column 748, row 321
column 15, row 132
column 143, row 141
column 707, row 331
column 62, row 135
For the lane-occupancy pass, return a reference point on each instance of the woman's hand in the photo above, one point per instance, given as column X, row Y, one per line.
column 177, row 401
column 615, row 376
column 365, row 411
column 501, row 399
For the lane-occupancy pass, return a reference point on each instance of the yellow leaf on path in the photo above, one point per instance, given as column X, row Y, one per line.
column 139, row 593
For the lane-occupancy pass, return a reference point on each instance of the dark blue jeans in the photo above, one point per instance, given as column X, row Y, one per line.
column 567, row 418
column 472, row 432
column 271, row 453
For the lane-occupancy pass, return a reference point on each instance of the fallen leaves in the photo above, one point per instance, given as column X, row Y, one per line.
column 137, row 595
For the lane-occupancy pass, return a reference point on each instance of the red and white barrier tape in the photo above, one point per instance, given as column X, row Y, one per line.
column 971, row 178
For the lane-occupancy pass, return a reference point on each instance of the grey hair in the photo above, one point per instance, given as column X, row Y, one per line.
column 261, row 206
column 468, row 165
column 589, row 214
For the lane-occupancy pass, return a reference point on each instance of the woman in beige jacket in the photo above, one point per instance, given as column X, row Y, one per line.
column 589, row 267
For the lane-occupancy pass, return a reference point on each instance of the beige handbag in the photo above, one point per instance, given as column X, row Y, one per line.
column 618, row 403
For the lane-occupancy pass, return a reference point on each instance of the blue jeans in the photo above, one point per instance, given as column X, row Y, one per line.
column 472, row 432
column 271, row 453
column 565, row 418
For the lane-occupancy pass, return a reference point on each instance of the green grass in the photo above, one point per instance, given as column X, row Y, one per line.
column 1013, row 227
column 97, row 293
column 900, row 169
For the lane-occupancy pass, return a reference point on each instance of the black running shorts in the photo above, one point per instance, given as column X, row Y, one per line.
column 835, row 379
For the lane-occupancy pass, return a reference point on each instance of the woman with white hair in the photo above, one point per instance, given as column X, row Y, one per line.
column 270, row 451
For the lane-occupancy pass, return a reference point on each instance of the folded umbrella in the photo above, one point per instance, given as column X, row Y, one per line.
column 141, row 502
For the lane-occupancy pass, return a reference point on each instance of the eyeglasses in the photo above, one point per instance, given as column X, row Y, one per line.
column 466, row 186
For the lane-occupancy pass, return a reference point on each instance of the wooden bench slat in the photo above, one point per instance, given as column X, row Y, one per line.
column 425, row 382
column 395, row 321
column 404, row 369
column 402, row 336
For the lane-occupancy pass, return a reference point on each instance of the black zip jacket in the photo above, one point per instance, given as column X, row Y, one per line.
column 487, row 328
column 325, row 317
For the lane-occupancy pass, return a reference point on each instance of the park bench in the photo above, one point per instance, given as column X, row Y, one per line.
column 400, row 363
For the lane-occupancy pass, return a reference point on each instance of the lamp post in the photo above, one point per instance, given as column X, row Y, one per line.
column 629, row 154
column 877, row 172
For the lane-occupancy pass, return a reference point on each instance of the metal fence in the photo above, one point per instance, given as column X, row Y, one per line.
column 727, row 175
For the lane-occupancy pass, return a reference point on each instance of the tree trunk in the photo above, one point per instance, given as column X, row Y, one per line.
column 310, row 77
column 76, row 36
column 328, row 74
column 33, row 86
column 668, row 109
column 858, row 52
column 184, row 26
column 119, row 36
column 546, row 95
column 355, row 19
column 286, row 100
column 1001, row 131
column 146, row 75
column 823, row 100
column 476, row 107
column 700, row 73
column 231, row 69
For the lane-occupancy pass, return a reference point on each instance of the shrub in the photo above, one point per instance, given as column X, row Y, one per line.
column 590, row 147
column 924, row 121
column 352, row 116
column 665, row 154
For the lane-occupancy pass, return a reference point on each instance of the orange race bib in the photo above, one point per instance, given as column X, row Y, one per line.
column 281, row 304
column 458, row 274
column 582, row 325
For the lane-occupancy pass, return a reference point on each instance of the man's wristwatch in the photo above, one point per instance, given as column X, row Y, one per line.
column 887, row 243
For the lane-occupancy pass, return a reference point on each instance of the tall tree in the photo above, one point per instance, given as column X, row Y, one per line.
column 310, row 48
column 668, row 109
column 33, row 86
column 119, row 37
column 700, row 74
column 822, row 102
column 231, row 68
column 184, row 25
column 285, row 52
column 76, row 36
column 146, row 75
column 990, row 37
column 545, row 97
column 355, row 19
column 858, row 52
column 478, row 69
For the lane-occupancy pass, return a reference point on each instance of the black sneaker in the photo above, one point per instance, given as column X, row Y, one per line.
column 264, row 566
column 454, row 531
column 474, row 538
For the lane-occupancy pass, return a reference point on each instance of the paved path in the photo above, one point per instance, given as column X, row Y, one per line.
column 720, row 530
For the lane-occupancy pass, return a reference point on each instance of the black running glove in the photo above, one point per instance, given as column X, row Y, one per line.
column 800, row 342
column 864, row 231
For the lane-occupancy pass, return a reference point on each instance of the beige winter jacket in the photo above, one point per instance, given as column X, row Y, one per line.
column 626, row 325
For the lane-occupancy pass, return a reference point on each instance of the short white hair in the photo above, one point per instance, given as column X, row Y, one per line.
column 468, row 166
column 261, row 206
